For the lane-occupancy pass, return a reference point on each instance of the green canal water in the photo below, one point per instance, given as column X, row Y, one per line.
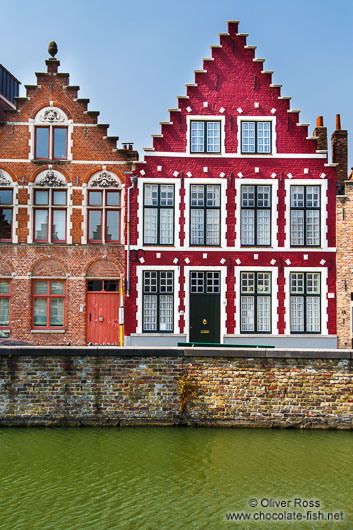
column 171, row 478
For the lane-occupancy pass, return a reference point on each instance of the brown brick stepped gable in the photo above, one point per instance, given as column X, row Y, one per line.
column 91, row 160
column 107, row 386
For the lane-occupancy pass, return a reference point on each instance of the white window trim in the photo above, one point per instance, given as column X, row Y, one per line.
column 323, row 294
column 177, row 201
column 139, row 286
column 33, row 123
column 223, row 211
column 14, row 187
column 274, row 298
column 189, row 118
column 223, row 298
column 323, row 211
column 271, row 119
column 274, row 213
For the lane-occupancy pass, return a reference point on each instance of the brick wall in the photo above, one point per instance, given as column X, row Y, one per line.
column 110, row 387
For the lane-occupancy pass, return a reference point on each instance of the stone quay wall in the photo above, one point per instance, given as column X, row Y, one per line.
column 99, row 386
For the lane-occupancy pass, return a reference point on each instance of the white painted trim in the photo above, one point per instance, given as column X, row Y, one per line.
column 217, row 117
column 238, row 269
column 274, row 213
column 271, row 119
column 139, row 288
column 91, row 162
column 177, row 201
column 324, row 300
column 223, row 299
column 244, row 250
column 182, row 154
column 223, row 211
column 323, row 212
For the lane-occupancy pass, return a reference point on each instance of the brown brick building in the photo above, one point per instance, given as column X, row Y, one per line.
column 61, row 222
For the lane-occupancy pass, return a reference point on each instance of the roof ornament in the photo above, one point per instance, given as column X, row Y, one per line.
column 4, row 181
column 52, row 49
column 51, row 180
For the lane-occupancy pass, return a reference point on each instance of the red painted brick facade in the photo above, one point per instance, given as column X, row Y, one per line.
column 231, row 86
column 90, row 152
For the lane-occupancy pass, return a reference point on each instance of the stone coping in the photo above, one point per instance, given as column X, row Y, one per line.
column 159, row 351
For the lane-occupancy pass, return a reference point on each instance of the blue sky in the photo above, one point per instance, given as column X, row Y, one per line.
column 133, row 58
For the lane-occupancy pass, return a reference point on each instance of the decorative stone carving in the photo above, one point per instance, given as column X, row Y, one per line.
column 52, row 116
column 51, row 180
column 105, row 180
column 4, row 181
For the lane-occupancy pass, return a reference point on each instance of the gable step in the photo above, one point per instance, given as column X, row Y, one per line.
column 247, row 47
column 104, row 125
column 207, row 58
column 148, row 149
column 285, row 97
column 216, row 46
column 294, row 111
column 157, row 135
column 29, row 87
column 21, row 98
column 82, row 100
column 182, row 97
column 276, row 86
column 312, row 138
column 242, row 34
column 322, row 151
column 72, row 87
column 114, row 138
column 267, row 72
column 92, row 113
column 223, row 34
column 303, row 124
column 165, row 123
column 259, row 60
column 174, row 110
column 190, row 84
column 200, row 71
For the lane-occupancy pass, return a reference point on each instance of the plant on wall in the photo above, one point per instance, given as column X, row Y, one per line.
column 186, row 390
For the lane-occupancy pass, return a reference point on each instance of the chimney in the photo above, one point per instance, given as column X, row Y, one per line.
column 321, row 133
column 339, row 143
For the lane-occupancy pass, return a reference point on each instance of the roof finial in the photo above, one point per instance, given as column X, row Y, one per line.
column 53, row 48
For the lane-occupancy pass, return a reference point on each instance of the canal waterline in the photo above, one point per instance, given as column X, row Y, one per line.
column 168, row 478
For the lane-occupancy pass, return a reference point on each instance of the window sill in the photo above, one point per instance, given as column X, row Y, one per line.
column 170, row 333
column 49, row 161
column 48, row 330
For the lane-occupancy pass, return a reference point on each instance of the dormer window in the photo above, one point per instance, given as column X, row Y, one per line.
column 256, row 137
column 51, row 135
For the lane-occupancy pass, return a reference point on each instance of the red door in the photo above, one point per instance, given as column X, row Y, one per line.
column 103, row 300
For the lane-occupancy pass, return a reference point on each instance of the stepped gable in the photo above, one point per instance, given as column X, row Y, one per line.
column 53, row 89
column 232, row 83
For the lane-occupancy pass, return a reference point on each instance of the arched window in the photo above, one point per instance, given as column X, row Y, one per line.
column 6, row 206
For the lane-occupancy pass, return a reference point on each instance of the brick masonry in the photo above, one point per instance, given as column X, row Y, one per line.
column 272, row 388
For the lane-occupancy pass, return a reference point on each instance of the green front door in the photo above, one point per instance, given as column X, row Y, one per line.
column 205, row 301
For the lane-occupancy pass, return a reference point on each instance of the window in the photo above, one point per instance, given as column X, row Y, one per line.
column 158, row 301
column 51, row 143
column 4, row 303
column 50, row 216
column 256, row 216
column 48, row 304
column 255, row 301
column 158, row 214
column 205, row 282
column 305, row 301
column 256, row 137
column 5, row 214
column 205, row 214
column 205, row 136
column 103, row 285
column 104, row 216
column 305, row 216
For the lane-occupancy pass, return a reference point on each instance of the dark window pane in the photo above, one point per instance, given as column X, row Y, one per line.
column 59, row 198
column 112, row 225
column 41, row 197
column 42, row 142
column 5, row 196
column 5, row 223
column 95, row 225
column 113, row 198
column 41, row 225
column 111, row 285
column 94, row 285
column 60, row 143
column 59, row 225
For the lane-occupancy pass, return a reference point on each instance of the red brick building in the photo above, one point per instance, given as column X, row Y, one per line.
column 61, row 227
column 232, row 217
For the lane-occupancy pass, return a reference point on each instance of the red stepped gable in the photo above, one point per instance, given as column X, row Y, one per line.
column 232, row 227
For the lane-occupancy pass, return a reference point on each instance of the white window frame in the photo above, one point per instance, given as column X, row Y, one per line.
column 223, row 299
column 274, row 213
column 139, row 286
column 324, row 299
column 177, row 200
column 223, row 211
column 189, row 119
column 271, row 119
column 274, row 299
column 323, row 212
column 13, row 186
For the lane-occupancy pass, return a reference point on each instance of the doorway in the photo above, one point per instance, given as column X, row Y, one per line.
column 103, row 301
column 205, row 298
